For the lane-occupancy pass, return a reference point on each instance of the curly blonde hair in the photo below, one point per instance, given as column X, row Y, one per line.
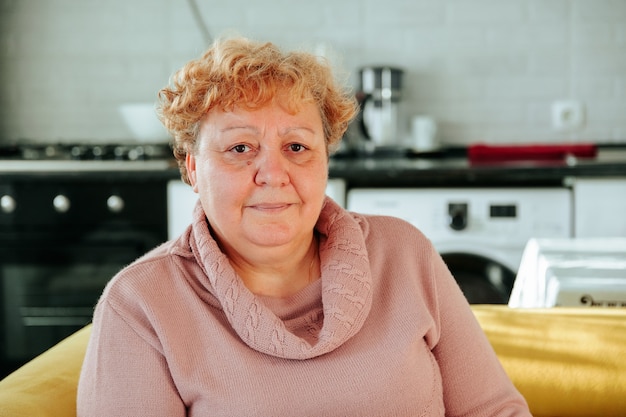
column 242, row 72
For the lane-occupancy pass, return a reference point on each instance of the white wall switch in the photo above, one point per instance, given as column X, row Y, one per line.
column 568, row 115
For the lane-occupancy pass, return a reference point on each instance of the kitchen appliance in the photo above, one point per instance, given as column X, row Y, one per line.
column 480, row 232
column 380, row 95
column 68, row 157
column 579, row 272
column 71, row 216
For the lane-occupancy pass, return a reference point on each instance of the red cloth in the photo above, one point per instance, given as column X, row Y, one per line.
column 483, row 152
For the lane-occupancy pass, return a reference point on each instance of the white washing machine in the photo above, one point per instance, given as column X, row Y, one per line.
column 480, row 232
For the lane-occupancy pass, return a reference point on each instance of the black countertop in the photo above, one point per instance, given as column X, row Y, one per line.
column 454, row 169
column 446, row 168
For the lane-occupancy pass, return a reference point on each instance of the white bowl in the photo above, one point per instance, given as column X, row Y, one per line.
column 142, row 120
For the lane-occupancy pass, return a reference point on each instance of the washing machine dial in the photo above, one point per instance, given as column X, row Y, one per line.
column 457, row 216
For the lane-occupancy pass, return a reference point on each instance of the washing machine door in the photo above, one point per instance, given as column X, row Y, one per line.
column 482, row 280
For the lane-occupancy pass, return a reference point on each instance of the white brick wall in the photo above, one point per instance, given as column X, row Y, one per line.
column 487, row 70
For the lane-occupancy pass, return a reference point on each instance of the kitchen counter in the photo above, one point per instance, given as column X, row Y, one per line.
column 454, row 169
column 445, row 168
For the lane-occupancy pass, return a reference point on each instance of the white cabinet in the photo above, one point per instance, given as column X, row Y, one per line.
column 180, row 202
column 181, row 199
column 599, row 207
column 336, row 189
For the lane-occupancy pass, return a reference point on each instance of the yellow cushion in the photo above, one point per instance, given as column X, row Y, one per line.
column 565, row 361
column 46, row 386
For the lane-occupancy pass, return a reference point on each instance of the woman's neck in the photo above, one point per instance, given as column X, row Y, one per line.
column 280, row 279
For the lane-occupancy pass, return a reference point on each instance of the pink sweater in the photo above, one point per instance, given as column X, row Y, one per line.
column 385, row 332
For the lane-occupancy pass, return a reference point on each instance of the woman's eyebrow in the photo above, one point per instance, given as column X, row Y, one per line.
column 296, row 128
column 236, row 127
column 283, row 132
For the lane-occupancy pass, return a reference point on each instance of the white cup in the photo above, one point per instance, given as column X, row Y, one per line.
column 423, row 133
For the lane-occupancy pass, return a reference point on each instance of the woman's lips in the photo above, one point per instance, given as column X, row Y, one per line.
column 270, row 206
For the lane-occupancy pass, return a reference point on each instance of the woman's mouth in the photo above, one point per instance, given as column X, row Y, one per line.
column 270, row 207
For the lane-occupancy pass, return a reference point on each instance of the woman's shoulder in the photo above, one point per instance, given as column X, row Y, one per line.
column 148, row 288
column 149, row 271
column 389, row 227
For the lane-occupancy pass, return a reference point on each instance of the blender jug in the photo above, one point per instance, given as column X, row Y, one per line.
column 380, row 94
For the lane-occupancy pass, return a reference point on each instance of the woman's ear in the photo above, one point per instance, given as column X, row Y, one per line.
column 190, row 164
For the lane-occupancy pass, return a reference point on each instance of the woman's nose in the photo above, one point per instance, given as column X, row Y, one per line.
column 272, row 168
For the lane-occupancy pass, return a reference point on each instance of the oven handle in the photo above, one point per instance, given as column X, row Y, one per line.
column 55, row 321
column 56, row 316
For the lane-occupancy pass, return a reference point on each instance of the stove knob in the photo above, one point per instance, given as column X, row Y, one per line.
column 457, row 216
column 115, row 203
column 50, row 151
column 119, row 153
column 77, row 152
column 61, row 203
column 97, row 152
column 136, row 154
column 7, row 204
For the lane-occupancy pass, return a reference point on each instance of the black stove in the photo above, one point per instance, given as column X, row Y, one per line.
column 85, row 152
column 64, row 234
column 84, row 156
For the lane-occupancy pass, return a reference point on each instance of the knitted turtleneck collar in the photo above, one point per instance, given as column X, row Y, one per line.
column 346, row 288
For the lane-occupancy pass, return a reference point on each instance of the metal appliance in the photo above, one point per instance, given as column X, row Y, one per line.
column 380, row 94
column 480, row 232
column 71, row 216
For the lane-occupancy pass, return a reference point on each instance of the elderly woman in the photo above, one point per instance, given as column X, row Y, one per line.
column 275, row 301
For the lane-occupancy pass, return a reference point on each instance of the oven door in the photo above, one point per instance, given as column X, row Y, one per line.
column 49, row 289
column 56, row 259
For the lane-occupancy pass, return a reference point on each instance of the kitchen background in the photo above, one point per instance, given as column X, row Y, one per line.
column 486, row 70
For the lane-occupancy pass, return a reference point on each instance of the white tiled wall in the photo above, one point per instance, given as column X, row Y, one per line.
column 487, row 70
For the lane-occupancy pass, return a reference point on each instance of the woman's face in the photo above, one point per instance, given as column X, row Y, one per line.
column 261, row 175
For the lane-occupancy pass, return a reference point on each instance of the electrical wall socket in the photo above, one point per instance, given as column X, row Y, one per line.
column 568, row 115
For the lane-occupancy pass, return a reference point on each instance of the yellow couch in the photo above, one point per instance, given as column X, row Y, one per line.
column 565, row 361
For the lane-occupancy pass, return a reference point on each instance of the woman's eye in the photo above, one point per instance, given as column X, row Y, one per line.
column 240, row 148
column 296, row 147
